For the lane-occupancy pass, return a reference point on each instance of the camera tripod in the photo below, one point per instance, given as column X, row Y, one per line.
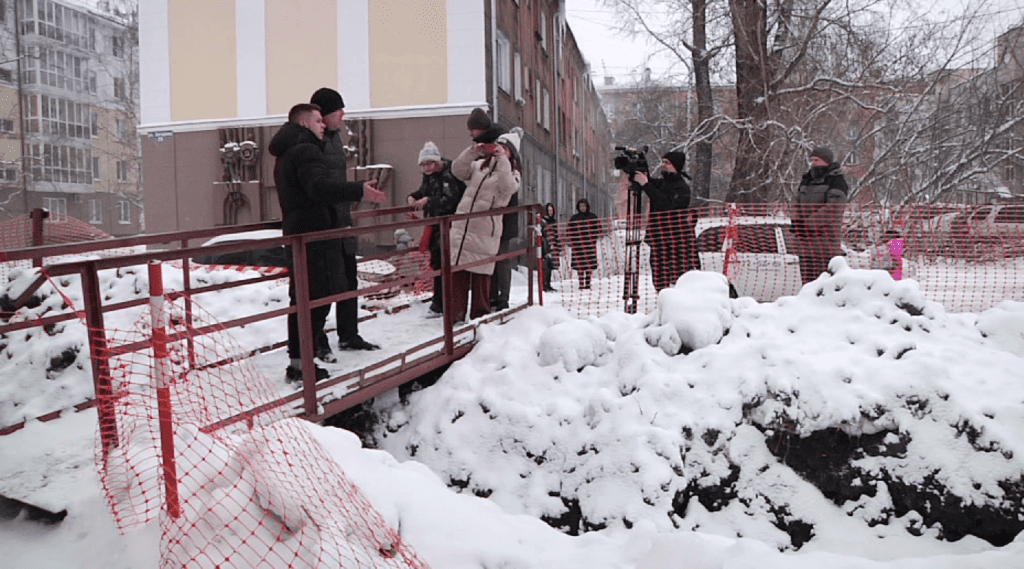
column 631, row 277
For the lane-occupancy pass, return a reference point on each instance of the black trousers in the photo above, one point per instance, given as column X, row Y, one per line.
column 317, row 315
column 501, row 280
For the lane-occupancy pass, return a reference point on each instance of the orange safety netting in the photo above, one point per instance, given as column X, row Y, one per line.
column 234, row 480
column 968, row 258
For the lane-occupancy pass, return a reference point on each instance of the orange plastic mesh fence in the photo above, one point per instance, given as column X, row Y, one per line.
column 254, row 488
column 968, row 258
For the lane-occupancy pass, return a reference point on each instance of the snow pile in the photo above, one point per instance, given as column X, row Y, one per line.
column 856, row 408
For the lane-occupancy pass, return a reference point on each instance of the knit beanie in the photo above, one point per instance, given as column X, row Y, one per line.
column 490, row 135
column 823, row 152
column 511, row 140
column 430, row 153
column 328, row 100
column 677, row 158
column 478, row 120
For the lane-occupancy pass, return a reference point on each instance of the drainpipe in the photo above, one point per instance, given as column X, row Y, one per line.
column 556, row 53
column 494, row 59
column 21, row 105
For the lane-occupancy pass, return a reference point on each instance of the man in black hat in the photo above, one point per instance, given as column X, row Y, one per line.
column 346, row 311
column 307, row 195
column 669, row 227
column 818, row 213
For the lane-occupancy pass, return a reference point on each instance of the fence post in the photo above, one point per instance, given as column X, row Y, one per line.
column 161, row 380
column 36, row 216
column 731, row 236
column 93, row 301
column 539, row 243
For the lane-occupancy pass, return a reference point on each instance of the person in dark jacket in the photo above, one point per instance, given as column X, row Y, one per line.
column 346, row 312
column 818, row 213
column 551, row 244
column 669, row 228
column 307, row 194
column 438, row 195
column 583, row 230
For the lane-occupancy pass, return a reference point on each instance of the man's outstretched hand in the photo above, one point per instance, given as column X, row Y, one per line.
column 371, row 193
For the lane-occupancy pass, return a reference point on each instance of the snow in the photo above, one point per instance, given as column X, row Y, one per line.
column 621, row 415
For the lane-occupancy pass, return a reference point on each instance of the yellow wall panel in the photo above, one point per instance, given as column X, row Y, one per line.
column 408, row 52
column 302, row 51
column 202, row 59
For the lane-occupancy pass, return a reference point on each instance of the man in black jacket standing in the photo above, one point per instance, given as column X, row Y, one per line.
column 307, row 195
column 818, row 214
column 669, row 229
column 346, row 311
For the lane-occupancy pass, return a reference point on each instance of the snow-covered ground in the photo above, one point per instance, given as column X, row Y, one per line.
column 679, row 439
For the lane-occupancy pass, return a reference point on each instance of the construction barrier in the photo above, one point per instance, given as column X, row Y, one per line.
column 967, row 258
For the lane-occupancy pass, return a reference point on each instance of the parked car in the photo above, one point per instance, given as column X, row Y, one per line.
column 765, row 266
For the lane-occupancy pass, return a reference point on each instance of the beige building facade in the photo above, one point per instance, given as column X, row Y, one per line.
column 216, row 74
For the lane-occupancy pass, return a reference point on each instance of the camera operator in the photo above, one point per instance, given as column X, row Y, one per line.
column 669, row 228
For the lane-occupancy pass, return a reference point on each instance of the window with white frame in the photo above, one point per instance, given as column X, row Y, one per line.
column 122, row 170
column 539, row 111
column 543, row 31
column 95, row 211
column 517, row 78
column 124, row 212
column 119, row 91
column 547, row 109
column 95, row 168
column 58, row 207
column 504, row 63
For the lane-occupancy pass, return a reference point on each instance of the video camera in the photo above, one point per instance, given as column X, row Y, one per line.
column 631, row 160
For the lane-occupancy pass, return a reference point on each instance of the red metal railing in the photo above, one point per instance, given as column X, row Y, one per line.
column 370, row 381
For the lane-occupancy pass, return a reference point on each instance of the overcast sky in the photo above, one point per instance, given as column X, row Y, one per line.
column 611, row 53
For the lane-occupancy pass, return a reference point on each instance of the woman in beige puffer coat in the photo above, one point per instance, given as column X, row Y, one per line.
column 491, row 173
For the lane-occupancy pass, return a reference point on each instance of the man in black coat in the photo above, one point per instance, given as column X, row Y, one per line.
column 438, row 195
column 818, row 214
column 346, row 312
column 307, row 195
column 669, row 228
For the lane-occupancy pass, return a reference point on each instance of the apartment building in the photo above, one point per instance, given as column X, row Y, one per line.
column 68, row 111
column 408, row 71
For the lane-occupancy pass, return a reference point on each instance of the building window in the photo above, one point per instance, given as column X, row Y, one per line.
column 57, row 117
column 10, row 175
column 95, row 211
column 92, row 82
column 121, row 128
column 504, row 63
column 54, row 68
column 6, row 75
column 119, row 93
column 124, row 212
column 537, row 103
column 543, row 31
column 117, row 46
column 3, row 11
column 56, row 163
column 547, row 110
column 6, row 125
column 122, row 170
column 1011, row 173
column 58, row 207
column 95, row 168
column 517, row 78
column 94, row 125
